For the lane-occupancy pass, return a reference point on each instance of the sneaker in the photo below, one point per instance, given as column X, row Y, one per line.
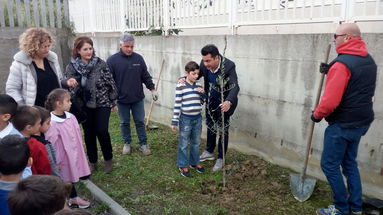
column 331, row 210
column 198, row 167
column 206, row 156
column 108, row 166
column 79, row 202
column 127, row 149
column 218, row 165
column 184, row 172
column 356, row 213
column 145, row 149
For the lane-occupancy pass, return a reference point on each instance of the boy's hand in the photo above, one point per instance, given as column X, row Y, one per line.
column 200, row 90
column 173, row 127
column 58, row 166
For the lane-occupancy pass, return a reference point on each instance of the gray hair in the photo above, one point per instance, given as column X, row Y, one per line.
column 126, row 37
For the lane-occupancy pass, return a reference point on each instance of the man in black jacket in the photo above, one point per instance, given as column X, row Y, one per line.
column 213, row 65
column 130, row 72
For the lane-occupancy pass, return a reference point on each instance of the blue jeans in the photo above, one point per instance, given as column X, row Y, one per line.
column 138, row 113
column 190, row 129
column 340, row 149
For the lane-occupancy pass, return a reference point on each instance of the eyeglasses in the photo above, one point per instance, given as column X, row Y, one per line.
column 338, row 35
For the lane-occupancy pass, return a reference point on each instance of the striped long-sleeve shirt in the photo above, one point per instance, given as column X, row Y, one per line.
column 188, row 101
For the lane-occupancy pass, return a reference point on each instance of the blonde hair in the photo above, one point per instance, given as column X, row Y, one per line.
column 31, row 40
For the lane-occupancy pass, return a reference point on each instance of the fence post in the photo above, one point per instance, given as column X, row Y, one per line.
column 122, row 16
column 19, row 14
column 10, row 14
column 66, row 12
column 43, row 13
column 232, row 10
column 347, row 11
column 2, row 18
column 28, row 17
column 91, row 14
column 166, row 17
column 58, row 14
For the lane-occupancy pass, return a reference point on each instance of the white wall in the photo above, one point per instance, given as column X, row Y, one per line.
column 278, row 76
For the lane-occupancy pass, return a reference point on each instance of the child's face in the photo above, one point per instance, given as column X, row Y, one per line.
column 46, row 125
column 192, row 75
column 4, row 118
column 34, row 129
column 65, row 104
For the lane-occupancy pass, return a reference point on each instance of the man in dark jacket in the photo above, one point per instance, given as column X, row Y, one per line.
column 212, row 66
column 347, row 106
column 130, row 72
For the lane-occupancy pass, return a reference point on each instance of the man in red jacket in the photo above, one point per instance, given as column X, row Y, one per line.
column 346, row 104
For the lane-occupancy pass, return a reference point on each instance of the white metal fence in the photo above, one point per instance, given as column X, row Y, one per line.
column 137, row 15
column 38, row 13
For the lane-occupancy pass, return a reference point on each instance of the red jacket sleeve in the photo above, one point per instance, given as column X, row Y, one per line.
column 336, row 84
column 41, row 164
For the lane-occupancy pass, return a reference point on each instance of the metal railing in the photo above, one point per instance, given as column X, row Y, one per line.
column 38, row 13
column 138, row 15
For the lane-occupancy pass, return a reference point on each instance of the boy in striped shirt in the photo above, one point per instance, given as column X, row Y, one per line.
column 187, row 113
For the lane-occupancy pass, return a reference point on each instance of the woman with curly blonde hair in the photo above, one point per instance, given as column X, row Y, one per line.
column 35, row 70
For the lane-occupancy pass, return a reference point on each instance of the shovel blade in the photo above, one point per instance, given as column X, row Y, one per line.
column 301, row 188
column 151, row 127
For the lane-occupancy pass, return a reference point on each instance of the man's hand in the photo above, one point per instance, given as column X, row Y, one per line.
column 225, row 106
column 154, row 95
column 315, row 119
column 174, row 128
column 71, row 82
column 200, row 90
column 114, row 108
column 181, row 80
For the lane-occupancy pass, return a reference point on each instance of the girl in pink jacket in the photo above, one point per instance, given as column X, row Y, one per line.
column 65, row 136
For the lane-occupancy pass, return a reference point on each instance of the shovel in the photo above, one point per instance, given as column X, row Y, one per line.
column 302, row 186
column 152, row 127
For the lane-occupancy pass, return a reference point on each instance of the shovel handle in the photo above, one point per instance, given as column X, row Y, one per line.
column 311, row 123
column 156, row 87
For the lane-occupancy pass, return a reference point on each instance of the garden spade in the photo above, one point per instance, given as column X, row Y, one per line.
column 301, row 185
column 151, row 127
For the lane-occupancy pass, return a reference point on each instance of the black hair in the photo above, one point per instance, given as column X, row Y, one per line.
column 38, row 194
column 25, row 115
column 8, row 105
column 56, row 95
column 210, row 49
column 44, row 113
column 191, row 66
column 14, row 154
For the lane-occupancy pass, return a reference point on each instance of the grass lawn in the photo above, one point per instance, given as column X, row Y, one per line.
column 153, row 185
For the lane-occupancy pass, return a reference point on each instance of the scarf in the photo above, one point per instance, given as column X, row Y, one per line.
column 84, row 69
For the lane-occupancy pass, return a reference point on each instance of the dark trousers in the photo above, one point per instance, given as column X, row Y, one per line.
column 213, row 122
column 96, row 126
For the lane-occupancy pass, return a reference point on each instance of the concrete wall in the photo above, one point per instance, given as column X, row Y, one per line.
column 9, row 40
column 278, row 76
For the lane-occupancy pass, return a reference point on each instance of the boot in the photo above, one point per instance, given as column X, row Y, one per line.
column 108, row 166
column 93, row 167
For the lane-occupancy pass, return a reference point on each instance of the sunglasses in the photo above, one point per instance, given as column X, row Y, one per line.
column 338, row 35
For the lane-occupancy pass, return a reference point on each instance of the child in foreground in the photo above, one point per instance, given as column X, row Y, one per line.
column 65, row 136
column 14, row 157
column 187, row 114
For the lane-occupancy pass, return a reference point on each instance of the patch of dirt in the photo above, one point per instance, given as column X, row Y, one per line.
column 249, row 181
